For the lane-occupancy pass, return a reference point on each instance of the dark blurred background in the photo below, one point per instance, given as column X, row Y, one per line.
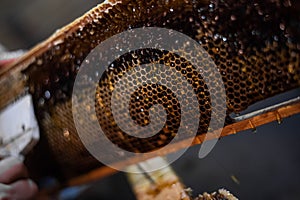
column 266, row 164
column 25, row 23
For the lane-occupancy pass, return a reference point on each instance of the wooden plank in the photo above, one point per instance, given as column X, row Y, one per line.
column 276, row 115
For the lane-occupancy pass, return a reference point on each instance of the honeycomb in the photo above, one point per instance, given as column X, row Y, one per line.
column 151, row 94
column 255, row 45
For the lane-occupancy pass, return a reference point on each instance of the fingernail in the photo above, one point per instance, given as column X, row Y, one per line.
column 20, row 157
column 31, row 183
column 9, row 162
column 4, row 191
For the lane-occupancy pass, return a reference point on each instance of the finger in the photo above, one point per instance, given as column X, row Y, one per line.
column 16, row 172
column 8, row 162
column 23, row 190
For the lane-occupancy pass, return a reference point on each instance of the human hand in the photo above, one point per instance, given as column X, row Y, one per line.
column 14, row 182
